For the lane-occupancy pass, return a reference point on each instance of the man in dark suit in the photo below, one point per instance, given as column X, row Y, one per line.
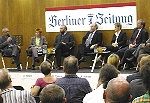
column 90, row 40
column 142, row 49
column 139, row 35
column 36, row 44
column 9, row 47
column 62, row 44
column 119, row 39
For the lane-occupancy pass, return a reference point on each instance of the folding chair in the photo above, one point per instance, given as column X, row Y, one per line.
column 4, row 55
column 42, row 52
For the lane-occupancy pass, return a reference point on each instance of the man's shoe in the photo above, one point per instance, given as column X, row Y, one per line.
column 33, row 68
column 82, row 59
column 59, row 68
column 133, row 59
column 37, row 60
column 19, row 68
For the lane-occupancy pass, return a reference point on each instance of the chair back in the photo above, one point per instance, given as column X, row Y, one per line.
column 18, row 87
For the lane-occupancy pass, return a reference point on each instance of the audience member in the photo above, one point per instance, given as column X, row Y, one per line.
column 36, row 44
column 119, row 39
column 46, row 69
column 114, row 60
column 117, row 91
column 139, row 36
column 107, row 73
column 52, row 93
column 145, row 73
column 11, row 95
column 75, row 88
column 90, row 40
column 9, row 47
column 137, row 75
column 137, row 88
column 62, row 44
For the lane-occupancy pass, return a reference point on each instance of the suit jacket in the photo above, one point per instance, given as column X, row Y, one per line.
column 67, row 38
column 4, row 44
column 97, row 38
column 133, row 76
column 143, row 36
column 42, row 41
column 122, row 39
column 137, row 88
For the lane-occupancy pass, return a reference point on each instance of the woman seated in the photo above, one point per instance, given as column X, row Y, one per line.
column 114, row 60
column 119, row 39
column 36, row 44
column 46, row 69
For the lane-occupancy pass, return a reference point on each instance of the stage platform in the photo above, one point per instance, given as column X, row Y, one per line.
column 28, row 77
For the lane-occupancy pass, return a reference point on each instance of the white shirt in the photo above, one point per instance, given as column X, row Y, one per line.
column 96, row 96
column 12, row 95
column 117, row 35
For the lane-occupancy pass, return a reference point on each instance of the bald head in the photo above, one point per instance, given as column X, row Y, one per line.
column 70, row 65
column 117, row 91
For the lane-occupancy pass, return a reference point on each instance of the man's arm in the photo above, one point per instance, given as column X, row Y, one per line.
column 3, row 43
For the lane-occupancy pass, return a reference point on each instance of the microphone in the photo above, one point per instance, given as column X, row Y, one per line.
column 10, row 42
column 8, row 35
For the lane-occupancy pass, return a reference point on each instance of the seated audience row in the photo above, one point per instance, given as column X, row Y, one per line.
column 73, row 89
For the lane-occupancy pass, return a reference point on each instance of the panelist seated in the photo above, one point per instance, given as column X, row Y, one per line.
column 90, row 40
column 119, row 39
column 9, row 47
column 63, row 42
column 36, row 44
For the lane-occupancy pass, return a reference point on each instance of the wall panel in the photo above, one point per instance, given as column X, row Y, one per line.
column 23, row 16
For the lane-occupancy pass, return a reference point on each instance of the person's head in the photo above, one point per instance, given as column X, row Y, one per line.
column 114, row 60
column 52, row 93
column 117, row 91
column 141, row 56
column 63, row 29
column 140, row 23
column 145, row 73
column 107, row 72
column 70, row 65
column 118, row 26
column 94, row 27
column 5, row 79
column 143, row 61
column 46, row 67
column 38, row 32
column 5, row 31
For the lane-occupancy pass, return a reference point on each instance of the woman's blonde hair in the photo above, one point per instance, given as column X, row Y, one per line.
column 114, row 60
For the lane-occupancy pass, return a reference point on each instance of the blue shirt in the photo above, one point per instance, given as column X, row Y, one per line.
column 75, row 88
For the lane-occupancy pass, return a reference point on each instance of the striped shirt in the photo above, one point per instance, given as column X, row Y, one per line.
column 12, row 95
column 142, row 99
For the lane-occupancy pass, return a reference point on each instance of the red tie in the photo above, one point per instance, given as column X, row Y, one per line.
column 136, row 38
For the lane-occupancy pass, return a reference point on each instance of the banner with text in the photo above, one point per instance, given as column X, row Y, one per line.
column 79, row 18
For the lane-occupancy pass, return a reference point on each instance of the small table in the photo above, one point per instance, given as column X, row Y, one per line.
column 96, row 56
column 51, row 52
